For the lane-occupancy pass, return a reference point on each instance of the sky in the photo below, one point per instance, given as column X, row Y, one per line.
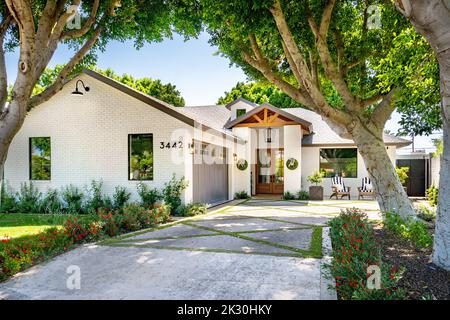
column 199, row 73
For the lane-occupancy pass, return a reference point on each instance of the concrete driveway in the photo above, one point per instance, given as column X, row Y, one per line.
column 259, row 249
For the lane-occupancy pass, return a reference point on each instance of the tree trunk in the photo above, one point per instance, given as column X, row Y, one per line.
column 11, row 123
column 390, row 194
column 441, row 252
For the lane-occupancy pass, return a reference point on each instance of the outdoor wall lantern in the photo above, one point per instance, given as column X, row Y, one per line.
column 268, row 135
column 78, row 92
column 235, row 157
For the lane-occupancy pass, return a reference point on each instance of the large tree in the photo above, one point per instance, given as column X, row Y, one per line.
column 329, row 56
column 36, row 29
column 431, row 18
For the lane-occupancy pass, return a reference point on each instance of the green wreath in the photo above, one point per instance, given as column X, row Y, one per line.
column 242, row 164
column 292, row 164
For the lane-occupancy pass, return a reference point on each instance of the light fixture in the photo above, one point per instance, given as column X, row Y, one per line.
column 268, row 135
column 78, row 92
column 235, row 157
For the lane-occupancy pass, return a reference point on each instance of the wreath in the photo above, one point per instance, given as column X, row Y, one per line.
column 242, row 164
column 292, row 164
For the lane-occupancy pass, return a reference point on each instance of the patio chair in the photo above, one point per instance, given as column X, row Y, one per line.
column 366, row 189
column 339, row 189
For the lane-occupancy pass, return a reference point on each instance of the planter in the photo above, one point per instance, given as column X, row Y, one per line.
column 315, row 193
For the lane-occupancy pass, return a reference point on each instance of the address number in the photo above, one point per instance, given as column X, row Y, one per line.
column 171, row 145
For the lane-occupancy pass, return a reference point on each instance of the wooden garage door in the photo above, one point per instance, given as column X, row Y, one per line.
column 210, row 173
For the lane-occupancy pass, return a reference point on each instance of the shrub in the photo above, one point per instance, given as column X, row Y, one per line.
column 121, row 197
column 149, row 196
column 432, row 194
column 73, row 198
column 192, row 209
column 316, row 178
column 110, row 222
column 288, row 196
column 81, row 230
column 241, row 195
column 426, row 214
column 20, row 253
column 136, row 216
column 354, row 250
column 8, row 202
column 402, row 173
column 28, row 198
column 51, row 202
column 172, row 193
column 414, row 231
column 95, row 199
column 302, row 195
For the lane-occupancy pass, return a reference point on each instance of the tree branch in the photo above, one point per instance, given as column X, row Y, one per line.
column 65, row 72
column 384, row 109
column 87, row 25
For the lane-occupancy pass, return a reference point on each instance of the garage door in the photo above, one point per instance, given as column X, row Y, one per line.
column 210, row 173
column 416, row 182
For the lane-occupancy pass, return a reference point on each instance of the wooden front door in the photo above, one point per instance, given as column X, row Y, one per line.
column 270, row 171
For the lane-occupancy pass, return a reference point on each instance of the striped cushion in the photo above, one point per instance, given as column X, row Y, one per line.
column 367, row 185
column 338, row 183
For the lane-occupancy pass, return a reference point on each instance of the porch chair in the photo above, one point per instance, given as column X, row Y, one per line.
column 339, row 189
column 366, row 189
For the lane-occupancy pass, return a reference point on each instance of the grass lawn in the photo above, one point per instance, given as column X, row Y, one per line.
column 14, row 225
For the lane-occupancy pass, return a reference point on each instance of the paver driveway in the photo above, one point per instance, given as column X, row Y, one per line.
column 259, row 249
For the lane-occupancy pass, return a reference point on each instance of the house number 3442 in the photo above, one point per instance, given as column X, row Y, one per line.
column 171, row 145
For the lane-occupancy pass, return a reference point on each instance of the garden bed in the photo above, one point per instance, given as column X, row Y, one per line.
column 421, row 279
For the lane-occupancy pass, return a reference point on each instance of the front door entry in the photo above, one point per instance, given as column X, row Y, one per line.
column 270, row 171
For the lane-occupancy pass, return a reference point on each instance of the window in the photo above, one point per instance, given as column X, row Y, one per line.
column 140, row 156
column 341, row 162
column 240, row 112
column 40, row 158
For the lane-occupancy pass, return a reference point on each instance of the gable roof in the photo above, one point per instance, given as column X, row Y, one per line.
column 305, row 124
column 179, row 113
column 229, row 105
column 323, row 135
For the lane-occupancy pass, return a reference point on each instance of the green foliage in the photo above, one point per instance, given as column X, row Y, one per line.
column 120, row 197
column 412, row 230
column 259, row 92
column 95, row 199
column 439, row 144
column 172, row 193
column 241, row 195
column 192, row 209
column 432, row 194
column 149, row 196
column 51, row 203
column 155, row 88
column 303, row 195
column 28, row 198
column 73, row 199
column 354, row 250
column 402, row 173
column 316, row 178
column 426, row 214
column 8, row 201
column 288, row 196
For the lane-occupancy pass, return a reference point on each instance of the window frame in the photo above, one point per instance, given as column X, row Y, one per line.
column 129, row 156
column 352, row 148
column 30, row 159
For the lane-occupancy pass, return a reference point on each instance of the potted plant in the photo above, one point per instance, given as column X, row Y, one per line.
column 316, row 191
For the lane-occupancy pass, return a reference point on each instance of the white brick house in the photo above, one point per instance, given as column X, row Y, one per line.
column 121, row 136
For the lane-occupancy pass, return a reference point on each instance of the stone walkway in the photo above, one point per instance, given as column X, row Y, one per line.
column 259, row 249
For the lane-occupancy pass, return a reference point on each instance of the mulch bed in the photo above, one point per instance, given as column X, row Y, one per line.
column 421, row 278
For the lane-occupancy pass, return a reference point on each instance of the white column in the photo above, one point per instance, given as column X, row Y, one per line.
column 293, row 149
